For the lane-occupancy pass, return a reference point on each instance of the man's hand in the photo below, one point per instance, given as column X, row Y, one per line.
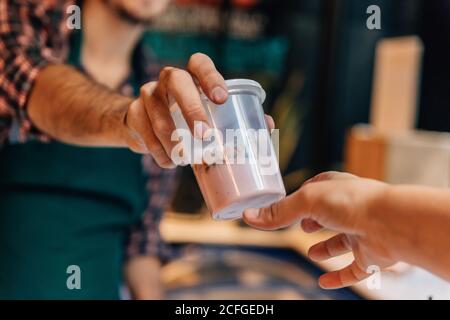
column 69, row 107
column 337, row 201
column 142, row 275
column 148, row 118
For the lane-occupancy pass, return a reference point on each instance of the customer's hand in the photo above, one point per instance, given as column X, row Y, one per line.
column 340, row 202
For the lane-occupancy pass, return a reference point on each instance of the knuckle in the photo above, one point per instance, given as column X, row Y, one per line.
column 345, row 242
column 194, row 111
column 147, row 88
column 212, row 77
column 170, row 74
column 305, row 196
column 165, row 71
column 328, row 247
column 196, row 58
column 162, row 128
column 165, row 74
column 176, row 76
column 358, row 272
column 133, row 110
column 322, row 176
column 304, row 192
column 344, row 203
column 159, row 155
column 272, row 214
column 155, row 149
column 165, row 163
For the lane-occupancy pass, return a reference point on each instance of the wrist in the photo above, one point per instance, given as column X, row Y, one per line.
column 370, row 210
column 377, row 207
column 124, row 133
column 387, row 226
column 111, row 130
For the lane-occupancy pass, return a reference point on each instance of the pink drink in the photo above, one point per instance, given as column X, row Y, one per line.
column 229, row 189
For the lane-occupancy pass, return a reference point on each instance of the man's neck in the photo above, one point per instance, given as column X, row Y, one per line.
column 108, row 43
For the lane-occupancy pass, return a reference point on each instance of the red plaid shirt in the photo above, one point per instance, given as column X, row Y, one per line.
column 33, row 34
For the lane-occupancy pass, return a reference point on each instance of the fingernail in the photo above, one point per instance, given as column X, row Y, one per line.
column 251, row 214
column 270, row 122
column 219, row 94
column 325, row 282
column 200, row 129
column 312, row 254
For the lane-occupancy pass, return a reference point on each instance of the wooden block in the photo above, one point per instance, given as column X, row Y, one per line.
column 395, row 85
column 421, row 158
column 365, row 153
column 417, row 157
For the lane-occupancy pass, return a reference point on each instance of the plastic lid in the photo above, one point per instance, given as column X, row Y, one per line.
column 233, row 85
column 246, row 84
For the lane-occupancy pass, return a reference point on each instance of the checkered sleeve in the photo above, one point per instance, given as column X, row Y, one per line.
column 145, row 236
column 32, row 35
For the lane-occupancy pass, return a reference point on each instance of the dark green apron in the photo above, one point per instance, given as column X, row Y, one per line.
column 60, row 206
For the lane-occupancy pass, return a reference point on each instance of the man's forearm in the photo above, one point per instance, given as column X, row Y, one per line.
column 71, row 108
column 415, row 222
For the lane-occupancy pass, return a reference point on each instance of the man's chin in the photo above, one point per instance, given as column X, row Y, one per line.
column 128, row 16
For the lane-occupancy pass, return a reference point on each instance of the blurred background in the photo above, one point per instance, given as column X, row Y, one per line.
column 372, row 102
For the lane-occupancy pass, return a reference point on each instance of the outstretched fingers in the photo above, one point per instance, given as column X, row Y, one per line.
column 345, row 277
